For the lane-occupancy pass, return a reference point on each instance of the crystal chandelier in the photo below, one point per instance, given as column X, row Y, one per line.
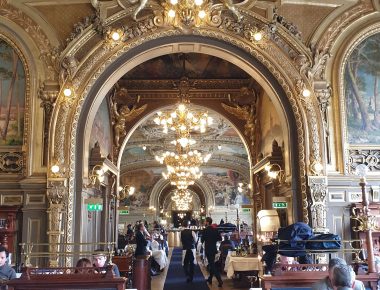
column 182, row 199
column 183, row 121
column 182, row 169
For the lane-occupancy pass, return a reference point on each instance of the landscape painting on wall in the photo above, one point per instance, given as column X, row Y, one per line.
column 226, row 183
column 12, row 96
column 362, row 93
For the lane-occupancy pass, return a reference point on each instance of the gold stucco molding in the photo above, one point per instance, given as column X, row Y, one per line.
column 48, row 53
column 335, row 29
column 277, row 59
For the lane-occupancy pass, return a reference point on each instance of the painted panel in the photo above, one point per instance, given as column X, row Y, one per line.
column 12, row 96
column 225, row 184
column 143, row 181
column 101, row 130
column 362, row 95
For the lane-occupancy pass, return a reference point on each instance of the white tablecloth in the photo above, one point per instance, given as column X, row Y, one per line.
column 241, row 264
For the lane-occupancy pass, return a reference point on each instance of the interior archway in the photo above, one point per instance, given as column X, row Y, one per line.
column 211, row 47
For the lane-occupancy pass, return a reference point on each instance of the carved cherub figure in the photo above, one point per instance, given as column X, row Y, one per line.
column 246, row 112
column 141, row 6
column 125, row 113
column 231, row 6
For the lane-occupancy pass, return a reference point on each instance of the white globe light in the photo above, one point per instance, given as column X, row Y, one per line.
column 54, row 169
column 306, row 93
column 116, row 36
column 171, row 13
column 67, row 92
column 257, row 36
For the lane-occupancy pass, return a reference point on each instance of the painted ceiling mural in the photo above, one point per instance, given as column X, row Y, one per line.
column 362, row 93
column 12, row 96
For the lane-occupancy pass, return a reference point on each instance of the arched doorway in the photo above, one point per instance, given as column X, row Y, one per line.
column 280, row 88
column 133, row 125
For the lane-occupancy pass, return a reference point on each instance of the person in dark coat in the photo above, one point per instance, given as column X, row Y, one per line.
column 141, row 241
column 188, row 239
column 210, row 236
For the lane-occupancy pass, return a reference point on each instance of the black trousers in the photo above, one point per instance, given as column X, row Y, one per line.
column 188, row 264
column 213, row 270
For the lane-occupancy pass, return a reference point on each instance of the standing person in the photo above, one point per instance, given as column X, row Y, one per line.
column 100, row 260
column 141, row 241
column 6, row 271
column 188, row 239
column 210, row 236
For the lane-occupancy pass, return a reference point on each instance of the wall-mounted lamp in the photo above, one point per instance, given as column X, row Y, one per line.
column 97, row 175
column 275, row 171
column 125, row 191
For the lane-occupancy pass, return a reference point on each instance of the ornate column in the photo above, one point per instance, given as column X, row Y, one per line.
column 323, row 93
column 57, row 196
column 48, row 94
column 318, row 193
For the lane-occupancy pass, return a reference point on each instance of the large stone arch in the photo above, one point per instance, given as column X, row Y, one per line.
column 272, row 62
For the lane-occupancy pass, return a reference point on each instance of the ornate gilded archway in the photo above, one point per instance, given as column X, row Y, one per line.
column 281, row 63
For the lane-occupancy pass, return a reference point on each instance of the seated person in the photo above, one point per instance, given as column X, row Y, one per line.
column 342, row 278
column 158, row 255
column 226, row 245
column 326, row 283
column 6, row 271
column 100, row 260
column 84, row 263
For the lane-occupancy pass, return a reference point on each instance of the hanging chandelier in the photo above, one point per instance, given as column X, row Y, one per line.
column 182, row 169
column 182, row 199
column 183, row 121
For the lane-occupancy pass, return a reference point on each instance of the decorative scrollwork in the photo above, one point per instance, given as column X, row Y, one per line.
column 11, row 162
column 369, row 157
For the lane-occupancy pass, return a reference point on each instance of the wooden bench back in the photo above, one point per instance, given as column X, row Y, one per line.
column 67, row 278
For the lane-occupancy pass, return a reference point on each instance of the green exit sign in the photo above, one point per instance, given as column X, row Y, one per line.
column 94, row 207
column 280, row 204
column 246, row 210
column 123, row 212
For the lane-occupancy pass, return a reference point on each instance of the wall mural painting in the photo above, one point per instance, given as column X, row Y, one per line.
column 225, row 183
column 101, row 130
column 12, row 96
column 143, row 181
column 362, row 93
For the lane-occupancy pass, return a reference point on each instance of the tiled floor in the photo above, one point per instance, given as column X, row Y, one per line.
column 159, row 281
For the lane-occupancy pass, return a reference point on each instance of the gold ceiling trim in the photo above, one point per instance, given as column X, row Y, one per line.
column 48, row 53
